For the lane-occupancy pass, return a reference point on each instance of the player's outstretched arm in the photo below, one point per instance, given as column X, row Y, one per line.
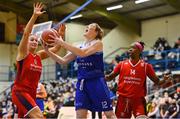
column 96, row 47
column 23, row 46
column 151, row 74
column 111, row 76
column 61, row 60
column 56, row 48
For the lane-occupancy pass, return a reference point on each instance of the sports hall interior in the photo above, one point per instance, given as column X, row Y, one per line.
column 155, row 22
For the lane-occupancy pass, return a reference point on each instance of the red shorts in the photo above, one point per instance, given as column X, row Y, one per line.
column 127, row 106
column 24, row 102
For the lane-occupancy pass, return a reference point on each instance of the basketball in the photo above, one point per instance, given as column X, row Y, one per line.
column 45, row 35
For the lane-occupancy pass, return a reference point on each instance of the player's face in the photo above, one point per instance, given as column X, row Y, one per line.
column 90, row 32
column 33, row 42
column 133, row 51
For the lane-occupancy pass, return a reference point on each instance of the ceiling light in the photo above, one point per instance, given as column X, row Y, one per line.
column 140, row 1
column 114, row 7
column 76, row 16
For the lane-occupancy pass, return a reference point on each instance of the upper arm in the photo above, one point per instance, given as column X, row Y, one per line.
column 23, row 47
column 151, row 74
column 117, row 69
column 43, row 55
column 115, row 73
column 96, row 47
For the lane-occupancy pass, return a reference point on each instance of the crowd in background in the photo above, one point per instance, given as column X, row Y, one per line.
column 162, row 56
column 62, row 93
column 165, row 105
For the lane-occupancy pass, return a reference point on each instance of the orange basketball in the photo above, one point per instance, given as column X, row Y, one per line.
column 45, row 35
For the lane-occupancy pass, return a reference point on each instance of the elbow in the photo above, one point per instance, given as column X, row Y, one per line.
column 107, row 78
column 82, row 54
column 56, row 49
column 156, row 82
column 62, row 62
column 45, row 95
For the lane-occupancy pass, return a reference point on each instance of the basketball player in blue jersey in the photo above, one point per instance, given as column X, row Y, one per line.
column 92, row 92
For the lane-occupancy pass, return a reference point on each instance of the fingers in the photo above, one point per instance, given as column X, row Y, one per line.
column 51, row 44
column 39, row 5
column 52, row 36
column 55, row 32
column 62, row 27
column 61, row 30
column 45, row 45
column 51, row 41
column 43, row 12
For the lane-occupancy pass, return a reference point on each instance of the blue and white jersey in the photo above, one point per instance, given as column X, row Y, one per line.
column 91, row 74
column 91, row 66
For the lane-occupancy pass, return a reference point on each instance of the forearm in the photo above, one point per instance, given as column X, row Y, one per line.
column 111, row 76
column 75, row 50
column 27, row 31
column 30, row 24
column 174, row 114
column 55, row 49
column 57, row 58
column 108, row 77
column 160, row 82
column 44, row 54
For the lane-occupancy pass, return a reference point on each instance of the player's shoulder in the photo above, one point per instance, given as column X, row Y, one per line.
column 123, row 62
column 97, row 42
column 126, row 61
column 147, row 64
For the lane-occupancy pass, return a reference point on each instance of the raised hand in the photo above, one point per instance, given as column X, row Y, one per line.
column 38, row 9
column 56, row 40
column 61, row 30
column 44, row 45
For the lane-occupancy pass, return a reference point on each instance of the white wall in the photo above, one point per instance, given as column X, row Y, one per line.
column 74, row 32
column 116, row 38
column 168, row 27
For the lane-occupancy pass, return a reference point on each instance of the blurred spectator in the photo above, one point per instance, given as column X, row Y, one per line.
column 154, row 110
column 173, row 110
column 177, row 43
column 1, row 110
column 156, row 98
column 178, row 90
column 160, row 45
column 49, row 108
column 164, row 104
column 164, row 107
column 168, row 77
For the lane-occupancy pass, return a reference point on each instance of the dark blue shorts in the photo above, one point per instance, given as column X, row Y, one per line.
column 93, row 94
column 40, row 103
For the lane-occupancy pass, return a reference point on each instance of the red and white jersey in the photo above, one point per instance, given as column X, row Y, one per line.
column 132, row 78
column 28, row 74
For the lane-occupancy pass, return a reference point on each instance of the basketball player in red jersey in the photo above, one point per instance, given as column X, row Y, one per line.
column 132, row 83
column 29, row 69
